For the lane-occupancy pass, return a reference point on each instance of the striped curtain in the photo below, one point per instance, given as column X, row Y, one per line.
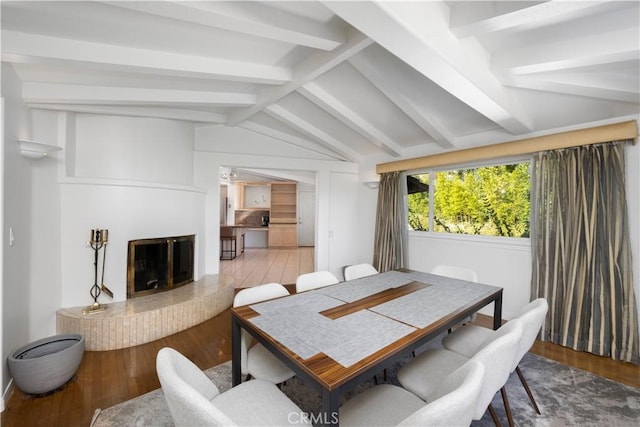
column 388, row 252
column 581, row 252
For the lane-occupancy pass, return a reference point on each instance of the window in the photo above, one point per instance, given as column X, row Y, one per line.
column 487, row 201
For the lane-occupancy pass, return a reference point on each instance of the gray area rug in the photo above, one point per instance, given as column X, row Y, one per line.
column 566, row 396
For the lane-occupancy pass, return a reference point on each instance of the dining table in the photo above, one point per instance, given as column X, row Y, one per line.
column 339, row 336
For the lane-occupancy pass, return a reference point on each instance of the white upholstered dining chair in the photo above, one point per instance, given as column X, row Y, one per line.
column 450, row 404
column 421, row 374
column 357, row 271
column 455, row 272
column 468, row 339
column 257, row 361
column 194, row 400
column 317, row 279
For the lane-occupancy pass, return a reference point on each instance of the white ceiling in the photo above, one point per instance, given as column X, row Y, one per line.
column 343, row 80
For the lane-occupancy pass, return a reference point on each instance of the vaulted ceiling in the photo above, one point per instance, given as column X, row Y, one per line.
column 340, row 80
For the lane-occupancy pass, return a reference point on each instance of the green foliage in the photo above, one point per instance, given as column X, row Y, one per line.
column 418, row 204
column 489, row 201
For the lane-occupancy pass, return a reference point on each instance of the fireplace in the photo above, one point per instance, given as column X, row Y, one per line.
column 160, row 264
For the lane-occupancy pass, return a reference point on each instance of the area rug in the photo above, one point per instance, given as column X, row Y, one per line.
column 566, row 396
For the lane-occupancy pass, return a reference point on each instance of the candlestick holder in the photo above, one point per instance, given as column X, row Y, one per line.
column 98, row 241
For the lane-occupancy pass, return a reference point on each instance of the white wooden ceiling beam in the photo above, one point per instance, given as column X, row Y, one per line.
column 311, row 68
column 306, row 178
column 609, row 89
column 332, row 105
column 603, row 48
column 316, row 133
column 418, row 33
column 252, row 18
column 288, row 138
column 79, row 94
column 23, row 47
column 476, row 18
column 161, row 113
column 426, row 122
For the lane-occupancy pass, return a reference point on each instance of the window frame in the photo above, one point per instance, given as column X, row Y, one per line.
column 509, row 240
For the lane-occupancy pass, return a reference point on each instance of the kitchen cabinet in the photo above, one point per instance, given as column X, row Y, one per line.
column 283, row 235
column 253, row 195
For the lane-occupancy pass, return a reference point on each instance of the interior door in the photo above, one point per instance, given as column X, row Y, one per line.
column 306, row 218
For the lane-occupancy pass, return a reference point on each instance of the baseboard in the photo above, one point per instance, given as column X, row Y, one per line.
column 6, row 395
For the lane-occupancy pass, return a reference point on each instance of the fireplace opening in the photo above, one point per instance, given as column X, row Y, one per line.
column 159, row 264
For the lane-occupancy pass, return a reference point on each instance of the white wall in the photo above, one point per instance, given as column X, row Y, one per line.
column 343, row 220
column 16, row 216
column 136, row 149
column 44, row 251
column 128, row 213
column 151, row 196
column 367, row 206
column 500, row 262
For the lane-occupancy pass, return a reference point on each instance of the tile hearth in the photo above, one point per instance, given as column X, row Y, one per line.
column 144, row 319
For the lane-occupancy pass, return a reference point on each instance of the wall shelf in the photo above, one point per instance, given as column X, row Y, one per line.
column 283, row 220
column 36, row 150
column 129, row 183
column 283, row 202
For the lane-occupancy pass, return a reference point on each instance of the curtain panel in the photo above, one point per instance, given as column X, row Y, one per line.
column 388, row 252
column 581, row 251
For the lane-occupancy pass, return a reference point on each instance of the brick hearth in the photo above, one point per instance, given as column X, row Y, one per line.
column 148, row 318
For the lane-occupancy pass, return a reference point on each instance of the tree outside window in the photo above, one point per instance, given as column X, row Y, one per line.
column 418, row 201
column 487, row 201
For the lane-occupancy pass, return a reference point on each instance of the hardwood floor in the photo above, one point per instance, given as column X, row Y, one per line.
column 626, row 373
column 257, row 266
column 109, row 377
column 106, row 378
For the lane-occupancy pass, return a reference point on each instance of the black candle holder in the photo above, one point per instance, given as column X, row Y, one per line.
column 99, row 240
